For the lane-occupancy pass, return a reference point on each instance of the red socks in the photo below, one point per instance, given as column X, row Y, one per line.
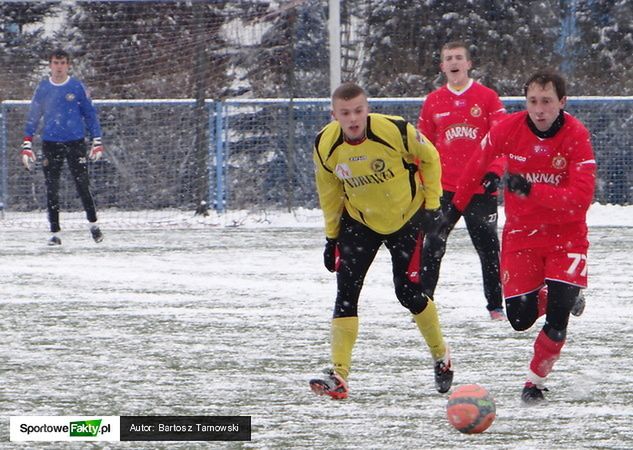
column 546, row 353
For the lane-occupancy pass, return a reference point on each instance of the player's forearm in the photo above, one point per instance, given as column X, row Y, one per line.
column 331, row 199
column 472, row 176
column 32, row 121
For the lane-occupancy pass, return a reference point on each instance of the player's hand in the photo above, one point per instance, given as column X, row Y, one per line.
column 490, row 182
column 96, row 151
column 28, row 157
column 432, row 220
column 518, row 184
column 331, row 257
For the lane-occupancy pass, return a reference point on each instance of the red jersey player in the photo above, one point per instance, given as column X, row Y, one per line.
column 551, row 178
column 455, row 118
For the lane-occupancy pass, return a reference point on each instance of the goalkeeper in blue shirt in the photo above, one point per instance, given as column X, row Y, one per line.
column 66, row 110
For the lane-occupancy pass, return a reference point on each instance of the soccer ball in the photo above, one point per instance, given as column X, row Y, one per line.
column 470, row 409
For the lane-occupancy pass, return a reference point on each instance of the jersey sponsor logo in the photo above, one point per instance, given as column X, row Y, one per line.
column 517, row 157
column 70, row 97
column 540, row 149
column 459, row 103
column 377, row 165
column 546, row 178
column 461, row 131
column 559, row 162
column 358, row 158
column 475, row 111
column 343, row 171
column 363, row 180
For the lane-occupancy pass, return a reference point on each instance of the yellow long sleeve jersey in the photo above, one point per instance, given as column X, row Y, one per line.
column 377, row 181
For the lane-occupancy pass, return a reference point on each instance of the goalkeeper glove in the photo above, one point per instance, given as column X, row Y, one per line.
column 28, row 157
column 96, row 152
column 518, row 184
column 331, row 257
column 490, row 182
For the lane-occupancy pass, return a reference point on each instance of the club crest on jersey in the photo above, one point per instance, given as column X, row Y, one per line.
column 559, row 162
column 343, row 171
column 70, row 97
column 475, row 111
column 377, row 165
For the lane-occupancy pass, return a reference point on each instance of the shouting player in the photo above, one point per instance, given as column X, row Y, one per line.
column 550, row 185
column 371, row 194
column 455, row 118
column 67, row 110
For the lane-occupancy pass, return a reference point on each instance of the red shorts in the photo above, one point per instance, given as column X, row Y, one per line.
column 526, row 270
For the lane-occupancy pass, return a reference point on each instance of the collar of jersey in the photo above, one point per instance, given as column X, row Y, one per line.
column 551, row 131
column 59, row 84
column 355, row 141
column 461, row 91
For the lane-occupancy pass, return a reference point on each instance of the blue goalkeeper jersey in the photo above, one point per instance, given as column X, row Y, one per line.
column 66, row 109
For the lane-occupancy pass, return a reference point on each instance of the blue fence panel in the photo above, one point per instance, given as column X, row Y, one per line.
column 250, row 154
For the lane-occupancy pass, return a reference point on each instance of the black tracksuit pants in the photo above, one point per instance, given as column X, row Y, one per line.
column 75, row 153
column 358, row 246
column 481, row 220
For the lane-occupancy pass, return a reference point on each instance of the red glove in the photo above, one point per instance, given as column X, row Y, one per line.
column 28, row 157
column 96, row 152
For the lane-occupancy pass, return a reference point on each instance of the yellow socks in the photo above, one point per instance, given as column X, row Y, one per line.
column 344, row 331
column 429, row 325
column 342, row 338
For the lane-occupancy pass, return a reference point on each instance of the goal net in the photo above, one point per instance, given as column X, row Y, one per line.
column 156, row 71
column 213, row 105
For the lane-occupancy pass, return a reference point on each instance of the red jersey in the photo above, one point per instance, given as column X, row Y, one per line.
column 562, row 172
column 455, row 122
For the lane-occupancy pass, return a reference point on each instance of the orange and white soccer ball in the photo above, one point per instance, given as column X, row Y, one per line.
column 471, row 409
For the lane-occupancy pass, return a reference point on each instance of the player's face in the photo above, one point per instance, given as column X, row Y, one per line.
column 455, row 65
column 352, row 116
column 59, row 69
column 543, row 105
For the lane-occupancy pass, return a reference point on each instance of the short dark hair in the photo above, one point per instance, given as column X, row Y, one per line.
column 455, row 44
column 348, row 91
column 59, row 53
column 547, row 76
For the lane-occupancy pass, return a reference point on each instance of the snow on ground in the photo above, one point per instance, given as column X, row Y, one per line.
column 233, row 319
column 599, row 215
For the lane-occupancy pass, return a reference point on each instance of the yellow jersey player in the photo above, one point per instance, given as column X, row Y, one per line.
column 369, row 172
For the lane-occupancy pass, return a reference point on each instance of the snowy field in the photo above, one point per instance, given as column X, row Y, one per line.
column 234, row 320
